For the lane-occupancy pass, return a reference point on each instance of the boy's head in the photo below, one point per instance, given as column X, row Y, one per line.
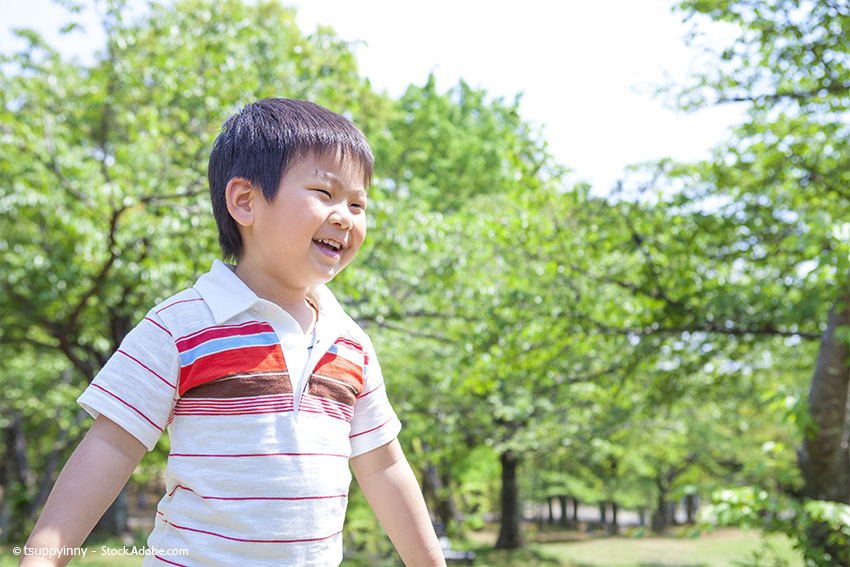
column 262, row 141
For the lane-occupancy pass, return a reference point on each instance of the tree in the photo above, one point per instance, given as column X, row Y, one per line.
column 103, row 170
column 776, row 246
column 453, row 165
column 118, row 174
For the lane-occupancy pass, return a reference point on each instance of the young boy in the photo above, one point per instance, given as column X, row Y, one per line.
column 269, row 391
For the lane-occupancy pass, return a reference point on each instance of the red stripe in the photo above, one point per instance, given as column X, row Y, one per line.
column 341, row 369
column 326, row 407
column 271, row 404
column 137, row 361
column 128, row 405
column 378, row 387
column 222, row 331
column 242, row 412
column 327, row 414
column 188, row 529
column 241, row 405
column 229, row 362
column 249, row 411
column 158, row 325
column 236, row 408
column 177, row 303
column 349, row 343
column 259, row 400
column 290, row 498
column 262, row 454
column 169, row 562
column 352, row 345
column 214, row 409
column 370, row 430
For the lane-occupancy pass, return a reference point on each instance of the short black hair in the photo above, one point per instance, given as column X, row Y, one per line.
column 261, row 141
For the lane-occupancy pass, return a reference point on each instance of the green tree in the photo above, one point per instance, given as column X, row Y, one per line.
column 770, row 209
column 103, row 172
column 452, row 166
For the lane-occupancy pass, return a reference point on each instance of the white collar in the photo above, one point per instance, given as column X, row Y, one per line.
column 227, row 296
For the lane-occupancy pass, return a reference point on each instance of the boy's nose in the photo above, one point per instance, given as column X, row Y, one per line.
column 342, row 217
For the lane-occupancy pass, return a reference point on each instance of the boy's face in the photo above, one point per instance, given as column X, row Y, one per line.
column 314, row 226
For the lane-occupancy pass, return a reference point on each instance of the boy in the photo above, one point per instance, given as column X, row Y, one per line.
column 268, row 389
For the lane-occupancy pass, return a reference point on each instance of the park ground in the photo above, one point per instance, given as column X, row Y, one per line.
column 552, row 547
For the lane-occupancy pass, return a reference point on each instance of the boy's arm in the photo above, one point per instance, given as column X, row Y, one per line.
column 90, row 481
column 393, row 493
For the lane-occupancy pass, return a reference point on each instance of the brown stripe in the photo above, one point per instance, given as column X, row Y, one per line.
column 331, row 390
column 243, row 386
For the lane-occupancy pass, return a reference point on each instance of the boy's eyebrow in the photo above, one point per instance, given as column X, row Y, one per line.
column 333, row 179
column 327, row 176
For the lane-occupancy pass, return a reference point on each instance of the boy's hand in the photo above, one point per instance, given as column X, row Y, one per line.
column 394, row 495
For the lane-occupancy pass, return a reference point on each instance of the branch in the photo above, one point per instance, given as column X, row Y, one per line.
column 195, row 189
column 100, row 277
column 835, row 88
column 53, row 164
column 766, row 330
column 818, row 178
column 412, row 333
column 638, row 240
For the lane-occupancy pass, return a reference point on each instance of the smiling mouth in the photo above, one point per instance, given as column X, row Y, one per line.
column 328, row 246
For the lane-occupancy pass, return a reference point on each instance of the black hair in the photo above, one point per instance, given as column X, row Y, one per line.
column 261, row 141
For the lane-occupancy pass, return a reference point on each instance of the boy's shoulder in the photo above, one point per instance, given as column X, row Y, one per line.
column 184, row 309
column 186, row 296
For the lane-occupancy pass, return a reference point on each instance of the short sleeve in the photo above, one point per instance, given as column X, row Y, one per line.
column 137, row 387
column 375, row 422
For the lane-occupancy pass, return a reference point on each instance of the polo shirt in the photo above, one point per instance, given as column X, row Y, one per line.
column 262, row 422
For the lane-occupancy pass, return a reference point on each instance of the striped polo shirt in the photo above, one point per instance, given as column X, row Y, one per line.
column 261, row 426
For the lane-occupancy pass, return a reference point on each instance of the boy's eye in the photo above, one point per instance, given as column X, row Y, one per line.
column 359, row 206
column 323, row 192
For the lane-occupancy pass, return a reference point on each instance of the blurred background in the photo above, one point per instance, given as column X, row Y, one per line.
column 607, row 269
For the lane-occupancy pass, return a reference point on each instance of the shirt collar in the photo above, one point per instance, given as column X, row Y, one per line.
column 224, row 293
column 227, row 296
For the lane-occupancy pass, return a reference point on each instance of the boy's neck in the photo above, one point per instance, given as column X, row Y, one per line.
column 293, row 301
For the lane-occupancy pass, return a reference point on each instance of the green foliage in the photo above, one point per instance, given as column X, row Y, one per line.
column 787, row 51
column 652, row 344
column 778, row 257
column 104, row 204
column 754, row 507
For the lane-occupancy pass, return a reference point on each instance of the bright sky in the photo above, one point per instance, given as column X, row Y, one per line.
column 587, row 70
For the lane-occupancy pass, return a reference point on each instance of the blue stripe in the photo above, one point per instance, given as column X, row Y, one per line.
column 222, row 344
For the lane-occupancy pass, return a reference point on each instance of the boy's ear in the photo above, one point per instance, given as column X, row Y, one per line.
column 240, row 195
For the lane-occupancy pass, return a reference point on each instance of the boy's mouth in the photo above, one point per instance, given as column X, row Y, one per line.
column 331, row 247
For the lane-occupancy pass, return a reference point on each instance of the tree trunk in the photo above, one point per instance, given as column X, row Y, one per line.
column 825, row 455
column 16, row 476
column 603, row 509
column 510, row 536
column 615, row 528
column 575, row 510
column 550, row 501
column 434, row 488
column 661, row 518
column 563, row 501
column 691, row 508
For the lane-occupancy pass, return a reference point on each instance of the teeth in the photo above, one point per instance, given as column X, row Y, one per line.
column 331, row 243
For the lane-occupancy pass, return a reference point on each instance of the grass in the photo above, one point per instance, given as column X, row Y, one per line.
column 722, row 548
column 558, row 548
